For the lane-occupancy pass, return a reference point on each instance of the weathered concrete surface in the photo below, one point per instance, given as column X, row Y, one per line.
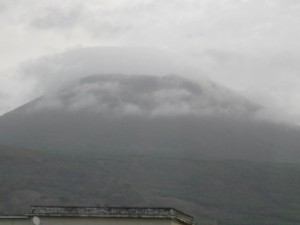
column 58, row 215
column 116, row 212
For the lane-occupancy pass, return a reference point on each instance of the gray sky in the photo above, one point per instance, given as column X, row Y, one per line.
column 250, row 46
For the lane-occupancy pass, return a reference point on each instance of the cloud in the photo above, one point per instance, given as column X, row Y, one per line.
column 190, row 25
column 250, row 46
column 248, row 26
column 57, row 18
column 149, row 96
column 14, row 90
column 271, row 79
column 56, row 71
column 99, row 20
column 2, row 6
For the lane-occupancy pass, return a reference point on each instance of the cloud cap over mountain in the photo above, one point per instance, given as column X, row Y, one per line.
column 55, row 71
column 146, row 95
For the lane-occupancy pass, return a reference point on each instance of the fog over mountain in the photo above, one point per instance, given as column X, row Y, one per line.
column 52, row 72
column 141, row 114
column 143, row 95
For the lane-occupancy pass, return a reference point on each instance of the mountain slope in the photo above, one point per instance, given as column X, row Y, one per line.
column 117, row 114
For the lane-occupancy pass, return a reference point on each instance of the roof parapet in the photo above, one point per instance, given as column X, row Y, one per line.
column 117, row 212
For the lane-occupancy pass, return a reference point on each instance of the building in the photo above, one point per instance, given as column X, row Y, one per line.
column 61, row 215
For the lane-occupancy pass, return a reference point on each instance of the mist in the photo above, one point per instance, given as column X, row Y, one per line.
column 53, row 72
column 250, row 47
column 146, row 95
column 49, row 75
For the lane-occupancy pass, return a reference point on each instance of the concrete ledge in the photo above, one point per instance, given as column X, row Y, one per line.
column 108, row 212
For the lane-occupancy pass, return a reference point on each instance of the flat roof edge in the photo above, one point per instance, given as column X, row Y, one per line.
column 178, row 219
column 14, row 217
column 105, row 212
column 109, row 212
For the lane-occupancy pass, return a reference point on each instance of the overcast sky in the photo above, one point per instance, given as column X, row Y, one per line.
column 250, row 46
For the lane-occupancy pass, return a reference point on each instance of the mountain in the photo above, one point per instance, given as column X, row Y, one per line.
column 151, row 141
column 118, row 114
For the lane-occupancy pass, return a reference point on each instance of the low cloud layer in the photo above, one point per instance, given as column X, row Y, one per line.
column 52, row 74
column 146, row 96
column 251, row 47
column 56, row 71
column 270, row 80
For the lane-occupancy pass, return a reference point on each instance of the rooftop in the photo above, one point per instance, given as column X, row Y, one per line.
column 120, row 212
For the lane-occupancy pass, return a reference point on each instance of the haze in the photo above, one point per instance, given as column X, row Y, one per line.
column 250, row 47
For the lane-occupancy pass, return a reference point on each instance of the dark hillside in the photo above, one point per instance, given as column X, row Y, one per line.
column 230, row 192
